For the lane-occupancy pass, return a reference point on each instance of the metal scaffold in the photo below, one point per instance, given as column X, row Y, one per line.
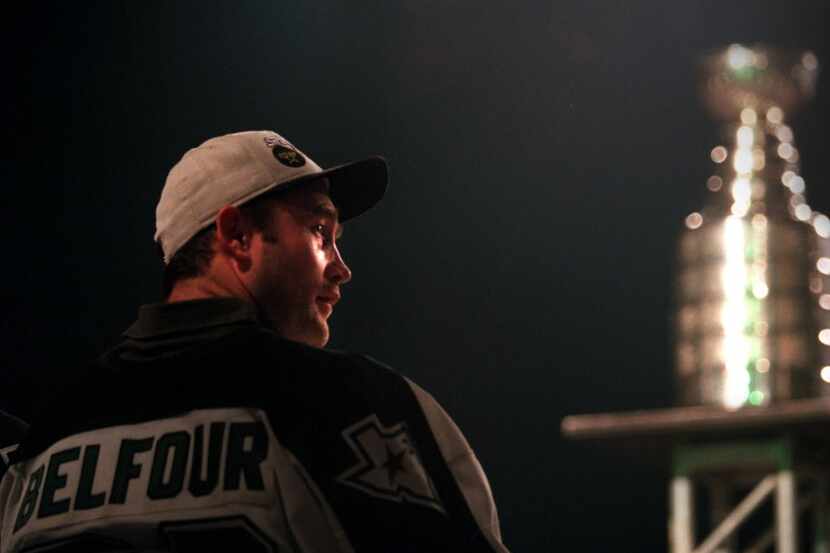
column 780, row 453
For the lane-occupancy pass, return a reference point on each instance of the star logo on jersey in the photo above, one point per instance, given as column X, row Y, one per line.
column 388, row 465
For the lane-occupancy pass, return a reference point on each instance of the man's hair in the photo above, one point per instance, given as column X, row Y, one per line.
column 194, row 257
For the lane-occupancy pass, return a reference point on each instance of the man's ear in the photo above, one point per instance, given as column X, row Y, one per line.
column 233, row 234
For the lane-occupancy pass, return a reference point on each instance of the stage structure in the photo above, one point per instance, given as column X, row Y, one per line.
column 752, row 323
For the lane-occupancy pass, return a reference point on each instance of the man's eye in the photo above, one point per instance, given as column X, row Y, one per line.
column 323, row 231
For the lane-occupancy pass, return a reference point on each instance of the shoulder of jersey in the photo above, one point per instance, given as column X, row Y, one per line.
column 12, row 430
column 240, row 363
column 325, row 356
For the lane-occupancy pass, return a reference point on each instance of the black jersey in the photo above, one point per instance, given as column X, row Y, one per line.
column 205, row 430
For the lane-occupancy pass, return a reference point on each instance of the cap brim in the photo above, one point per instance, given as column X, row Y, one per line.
column 354, row 187
column 357, row 186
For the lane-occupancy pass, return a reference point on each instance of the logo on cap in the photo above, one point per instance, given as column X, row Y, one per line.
column 288, row 156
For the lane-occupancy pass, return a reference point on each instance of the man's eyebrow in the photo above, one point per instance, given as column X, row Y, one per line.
column 331, row 213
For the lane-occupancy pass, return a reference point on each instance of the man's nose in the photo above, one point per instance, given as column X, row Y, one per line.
column 338, row 271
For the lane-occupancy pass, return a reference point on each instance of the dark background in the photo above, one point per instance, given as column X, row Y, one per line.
column 543, row 156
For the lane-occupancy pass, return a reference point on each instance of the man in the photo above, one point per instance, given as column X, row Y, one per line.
column 219, row 422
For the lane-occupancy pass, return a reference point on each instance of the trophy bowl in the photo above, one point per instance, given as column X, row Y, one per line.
column 758, row 77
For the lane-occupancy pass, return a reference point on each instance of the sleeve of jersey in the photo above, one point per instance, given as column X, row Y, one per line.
column 464, row 466
column 12, row 431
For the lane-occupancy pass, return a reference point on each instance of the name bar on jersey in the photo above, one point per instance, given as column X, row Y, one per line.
column 186, row 462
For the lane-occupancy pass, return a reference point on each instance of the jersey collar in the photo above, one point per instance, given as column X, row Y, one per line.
column 184, row 317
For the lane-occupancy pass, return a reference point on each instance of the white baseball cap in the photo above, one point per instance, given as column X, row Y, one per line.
column 235, row 168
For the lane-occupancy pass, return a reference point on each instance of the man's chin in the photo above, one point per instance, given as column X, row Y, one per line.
column 320, row 331
column 320, row 340
column 324, row 335
column 317, row 336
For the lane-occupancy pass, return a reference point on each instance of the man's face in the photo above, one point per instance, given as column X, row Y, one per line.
column 297, row 270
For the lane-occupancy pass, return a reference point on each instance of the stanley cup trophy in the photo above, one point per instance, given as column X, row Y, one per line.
column 752, row 325
column 752, row 330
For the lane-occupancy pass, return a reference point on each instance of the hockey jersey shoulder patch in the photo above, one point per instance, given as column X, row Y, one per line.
column 388, row 465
